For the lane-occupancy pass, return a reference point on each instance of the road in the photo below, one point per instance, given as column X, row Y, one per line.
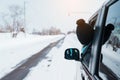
column 21, row 71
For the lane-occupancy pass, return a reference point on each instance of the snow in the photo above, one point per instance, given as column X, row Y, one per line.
column 54, row 66
column 14, row 50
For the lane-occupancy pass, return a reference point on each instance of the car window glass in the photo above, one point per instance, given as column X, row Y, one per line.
column 110, row 67
column 92, row 22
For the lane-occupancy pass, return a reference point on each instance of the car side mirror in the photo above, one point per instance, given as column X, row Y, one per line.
column 72, row 54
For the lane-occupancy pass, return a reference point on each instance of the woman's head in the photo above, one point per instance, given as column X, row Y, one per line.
column 84, row 32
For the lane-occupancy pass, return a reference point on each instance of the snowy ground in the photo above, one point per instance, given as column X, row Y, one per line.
column 15, row 50
column 53, row 67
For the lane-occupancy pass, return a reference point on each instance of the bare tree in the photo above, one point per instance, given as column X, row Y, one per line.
column 54, row 31
column 16, row 13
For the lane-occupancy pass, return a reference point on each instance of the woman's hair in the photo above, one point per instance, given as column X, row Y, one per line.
column 84, row 32
column 80, row 21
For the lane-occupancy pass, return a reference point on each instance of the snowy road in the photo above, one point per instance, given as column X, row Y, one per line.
column 21, row 72
column 50, row 65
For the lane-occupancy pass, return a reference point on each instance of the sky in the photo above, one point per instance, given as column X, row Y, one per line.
column 53, row 13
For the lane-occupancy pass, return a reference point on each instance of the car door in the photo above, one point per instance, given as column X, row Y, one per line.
column 110, row 65
column 93, row 68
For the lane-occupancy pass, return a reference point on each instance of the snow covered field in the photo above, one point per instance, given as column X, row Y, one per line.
column 54, row 67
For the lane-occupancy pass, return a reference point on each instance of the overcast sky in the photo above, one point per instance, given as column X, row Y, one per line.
column 54, row 13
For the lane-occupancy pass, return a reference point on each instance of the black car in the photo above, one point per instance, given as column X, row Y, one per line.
column 101, row 61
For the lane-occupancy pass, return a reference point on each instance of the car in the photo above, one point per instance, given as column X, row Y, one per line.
column 101, row 61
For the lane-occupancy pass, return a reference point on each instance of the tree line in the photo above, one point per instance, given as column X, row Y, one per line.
column 12, row 21
column 49, row 31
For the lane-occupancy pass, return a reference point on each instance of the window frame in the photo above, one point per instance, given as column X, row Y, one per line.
column 97, row 41
column 93, row 70
column 108, row 6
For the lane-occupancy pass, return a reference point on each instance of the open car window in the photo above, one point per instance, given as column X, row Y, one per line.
column 87, row 49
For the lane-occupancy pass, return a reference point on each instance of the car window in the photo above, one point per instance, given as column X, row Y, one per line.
column 87, row 48
column 110, row 67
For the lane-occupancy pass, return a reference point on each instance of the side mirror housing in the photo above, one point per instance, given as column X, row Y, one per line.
column 72, row 54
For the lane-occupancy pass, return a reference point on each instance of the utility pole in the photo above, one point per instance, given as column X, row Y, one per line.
column 24, row 28
column 24, row 14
